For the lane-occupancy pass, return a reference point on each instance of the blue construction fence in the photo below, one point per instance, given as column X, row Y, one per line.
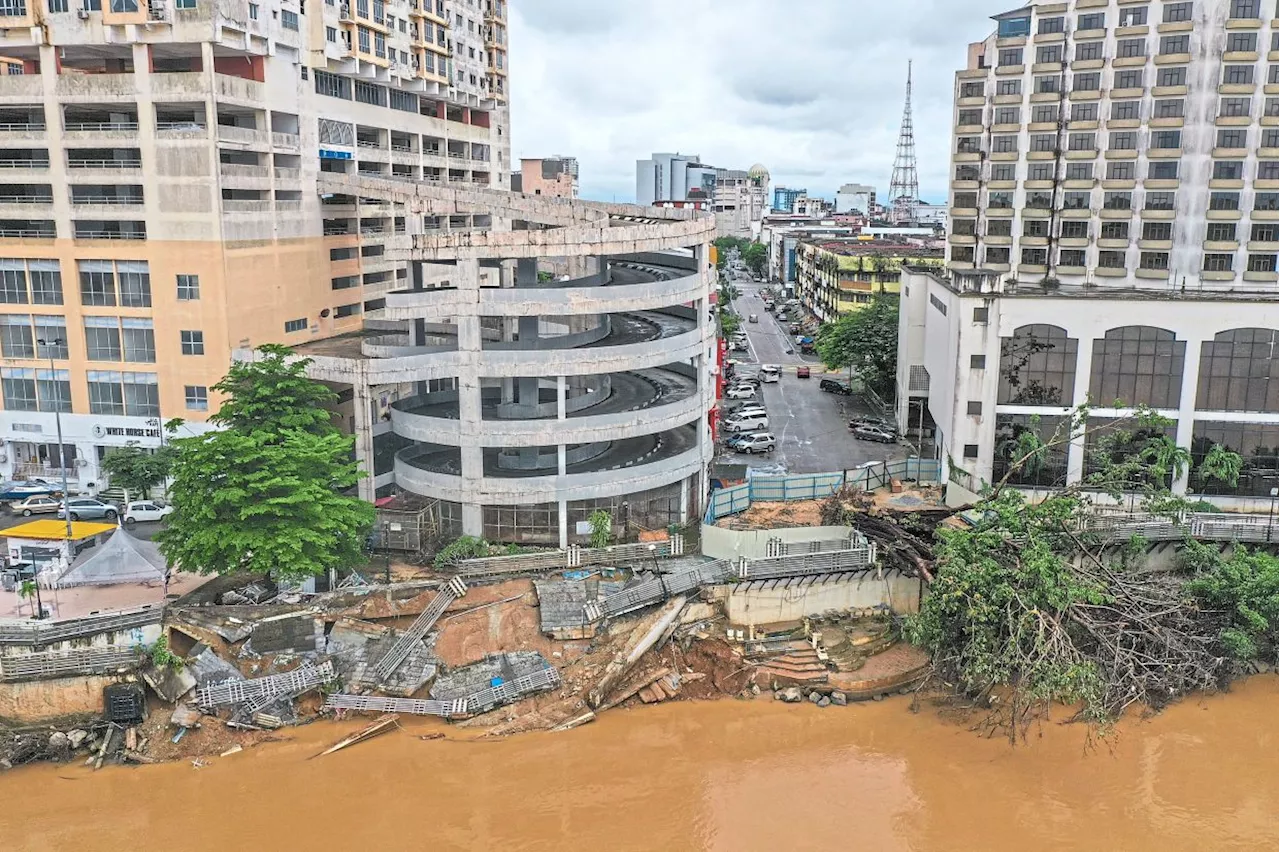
column 815, row 486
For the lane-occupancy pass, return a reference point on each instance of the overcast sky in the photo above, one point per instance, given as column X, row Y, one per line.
column 812, row 89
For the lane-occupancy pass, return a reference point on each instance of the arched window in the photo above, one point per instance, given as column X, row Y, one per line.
column 1137, row 365
column 1038, row 366
column 1238, row 371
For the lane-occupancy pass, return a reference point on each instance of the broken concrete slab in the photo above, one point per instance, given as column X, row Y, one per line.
column 289, row 632
column 207, row 667
column 185, row 716
column 562, row 605
column 168, row 682
column 493, row 670
column 356, row 646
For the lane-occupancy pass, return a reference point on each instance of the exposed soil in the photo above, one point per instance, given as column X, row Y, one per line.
column 487, row 621
column 773, row 515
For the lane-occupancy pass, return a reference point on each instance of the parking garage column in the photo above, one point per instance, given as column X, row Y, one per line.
column 467, row 277
column 1187, row 407
column 1080, row 396
column 562, row 510
column 362, row 430
column 560, row 397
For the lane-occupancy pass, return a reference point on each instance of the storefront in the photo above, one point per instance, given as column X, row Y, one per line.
column 29, row 444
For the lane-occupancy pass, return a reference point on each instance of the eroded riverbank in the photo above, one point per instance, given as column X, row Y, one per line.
column 695, row 775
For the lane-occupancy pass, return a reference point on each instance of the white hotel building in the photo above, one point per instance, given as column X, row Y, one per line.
column 1113, row 236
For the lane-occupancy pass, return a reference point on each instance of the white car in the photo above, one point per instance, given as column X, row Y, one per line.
column 740, row 392
column 146, row 512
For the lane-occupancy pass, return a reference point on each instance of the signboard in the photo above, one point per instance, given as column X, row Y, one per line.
column 329, row 154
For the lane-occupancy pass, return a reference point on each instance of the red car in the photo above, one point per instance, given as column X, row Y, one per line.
column 802, row 372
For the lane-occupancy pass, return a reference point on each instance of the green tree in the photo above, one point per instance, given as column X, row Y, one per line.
column 865, row 342
column 729, row 322
column 1243, row 586
column 755, row 255
column 267, row 493
column 136, row 470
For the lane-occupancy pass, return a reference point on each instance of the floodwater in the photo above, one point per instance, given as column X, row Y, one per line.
column 723, row 775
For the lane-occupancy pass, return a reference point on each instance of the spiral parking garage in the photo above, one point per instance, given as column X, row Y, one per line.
column 519, row 405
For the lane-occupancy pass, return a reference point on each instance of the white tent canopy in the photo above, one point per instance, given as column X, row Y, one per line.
column 122, row 559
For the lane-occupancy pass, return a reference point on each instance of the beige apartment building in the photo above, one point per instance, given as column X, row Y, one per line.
column 553, row 176
column 158, row 193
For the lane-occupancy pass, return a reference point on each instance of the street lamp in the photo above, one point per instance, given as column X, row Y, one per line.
column 57, row 416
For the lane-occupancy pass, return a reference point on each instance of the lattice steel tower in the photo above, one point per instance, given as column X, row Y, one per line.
column 904, row 186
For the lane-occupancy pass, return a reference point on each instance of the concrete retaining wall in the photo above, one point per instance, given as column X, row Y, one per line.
column 747, row 605
column 721, row 543
column 40, row 700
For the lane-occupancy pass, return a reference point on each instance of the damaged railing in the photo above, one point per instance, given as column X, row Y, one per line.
column 227, row 692
column 658, row 589
column 403, row 647
column 49, row 632
column 1201, row 526
column 78, row 661
column 570, row 558
column 468, row 705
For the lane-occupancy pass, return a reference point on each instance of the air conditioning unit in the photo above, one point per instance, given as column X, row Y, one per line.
column 82, row 14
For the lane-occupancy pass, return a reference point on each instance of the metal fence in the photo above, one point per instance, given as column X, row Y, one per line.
column 1118, row 525
column 35, row 633
column 469, row 705
column 816, row 486
column 570, row 558
column 80, row 661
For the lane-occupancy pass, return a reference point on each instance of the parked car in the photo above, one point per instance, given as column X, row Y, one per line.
column 756, row 442
column 873, row 422
column 748, row 379
column 747, row 423
column 82, row 508
column 36, row 504
column 146, row 512
column 794, row 328
column 874, row 433
column 20, row 489
column 835, row 386
column 740, row 392
column 747, row 410
column 738, row 346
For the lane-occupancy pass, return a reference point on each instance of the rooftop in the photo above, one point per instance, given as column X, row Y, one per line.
column 55, row 530
column 874, row 247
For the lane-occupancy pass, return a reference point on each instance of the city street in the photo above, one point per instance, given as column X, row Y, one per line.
column 811, row 426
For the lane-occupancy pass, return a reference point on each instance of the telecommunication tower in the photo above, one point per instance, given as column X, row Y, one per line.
column 904, row 186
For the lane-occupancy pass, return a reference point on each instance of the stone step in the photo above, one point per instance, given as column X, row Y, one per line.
column 768, row 677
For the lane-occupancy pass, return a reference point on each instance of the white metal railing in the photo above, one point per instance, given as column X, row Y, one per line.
column 183, row 127
column 105, row 201
column 26, row 233
column 24, row 164
column 26, row 199
column 22, row 128
column 29, row 470
column 100, row 126
column 366, row 143
column 87, row 234
column 104, row 164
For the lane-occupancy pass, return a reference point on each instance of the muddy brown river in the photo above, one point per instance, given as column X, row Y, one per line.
column 724, row 775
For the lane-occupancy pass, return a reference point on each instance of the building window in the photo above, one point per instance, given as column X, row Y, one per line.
column 1074, row 229
column 1044, row 142
column 1000, row 200
column 253, row 11
column 1035, row 256
column 97, row 283
column 1124, row 110
column 1217, row 262
column 1130, row 79
column 1049, row 468
column 1000, row 228
column 1049, row 25
column 124, row 6
column 1168, row 108
column 16, row 340
column 289, row 20
column 1047, row 84
column 1117, row 200
column 980, row 315
column 1071, row 257
column 1045, row 113
column 1157, row 230
column 1003, row 115
column 1244, row 8
column 1224, row 201
column 1000, row 144
column 1079, row 171
column 1121, row 170
column 19, row 389
column 1228, row 170
column 1159, row 201
column 1241, row 42
column 1175, row 44
column 1035, row 228
column 997, row 256
column 1265, row 233
column 1089, row 82
column 1111, row 259
column 56, row 6
column 971, row 451
column 291, row 326
column 1094, row 21
column 962, row 254
column 1082, row 142
column 1115, row 231
column 1255, row 443
column 1220, row 232
column 197, row 397
column 1084, row 112
column 1177, row 12
column 973, row 409
column 1049, row 53
column 1137, row 365
column 188, row 288
column 1237, row 75
column 1238, row 371
column 1135, row 17
column 1171, row 76
column 1162, row 170
column 1234, row 107
column 1268, row 170
column 1266, row 201
column 1039, row 171
column 343, row 311
column 1008, row 87
column 972, row 89
column 1261, row 263
column 192, row 342
column 102, row 339
column 977, row 362
column 1075, row 200
column 13, row 282
column 1123, row 140
column 105, row 393
column 1153, row 260
column 1166, row 139
column 1131, row 46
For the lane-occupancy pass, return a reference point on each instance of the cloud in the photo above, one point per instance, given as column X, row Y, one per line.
column 812, row 90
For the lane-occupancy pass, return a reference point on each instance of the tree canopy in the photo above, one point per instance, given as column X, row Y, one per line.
column 268, row 491
column 755, row 256
column 866, row 342
column 136, row 470
column 1036, row 603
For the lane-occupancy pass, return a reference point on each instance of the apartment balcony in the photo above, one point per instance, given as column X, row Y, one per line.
column 71, row 88
column 286, row 174
column 179, row 130
column 21, row 132
column 27, row 229
column 105, row 131
column 288, row 141
column 102, row 169
column 259, row 206
column 247, row 136
column 25, row 206
column 109, row 230
column 245, row 176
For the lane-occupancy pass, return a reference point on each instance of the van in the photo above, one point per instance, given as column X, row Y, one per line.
column 770, row 373
column 746, row 423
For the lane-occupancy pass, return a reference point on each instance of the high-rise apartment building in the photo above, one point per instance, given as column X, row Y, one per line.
column 671, row 177
column 784, row 198
column 1112, row 239
column 553, row 176
column 158, row 192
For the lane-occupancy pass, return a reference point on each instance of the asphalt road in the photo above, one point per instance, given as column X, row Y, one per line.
column 9, row 519
column 811, row 426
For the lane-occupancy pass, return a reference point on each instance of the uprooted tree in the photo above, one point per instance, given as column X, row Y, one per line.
column 268, row 491
column 1030, row 604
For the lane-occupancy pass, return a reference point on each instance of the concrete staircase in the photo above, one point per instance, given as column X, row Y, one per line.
column 848, row 650
column 799, row 664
